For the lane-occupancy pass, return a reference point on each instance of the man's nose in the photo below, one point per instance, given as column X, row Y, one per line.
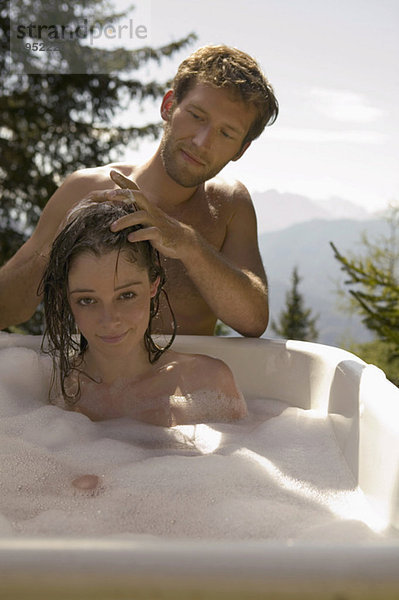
column 203, row 137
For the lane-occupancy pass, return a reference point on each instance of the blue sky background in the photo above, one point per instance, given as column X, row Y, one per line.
column 334, row 67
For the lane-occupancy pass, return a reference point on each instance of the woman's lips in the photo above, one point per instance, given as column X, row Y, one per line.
column 114, row 339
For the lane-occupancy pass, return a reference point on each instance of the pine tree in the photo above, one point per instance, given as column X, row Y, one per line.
column 52, row 124
column 295, row 322
column 373, row 281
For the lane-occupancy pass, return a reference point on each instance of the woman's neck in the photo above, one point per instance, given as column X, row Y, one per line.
column 107, row 369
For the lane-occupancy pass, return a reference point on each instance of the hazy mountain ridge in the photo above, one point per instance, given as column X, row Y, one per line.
column 306, row 245
column 276, row 210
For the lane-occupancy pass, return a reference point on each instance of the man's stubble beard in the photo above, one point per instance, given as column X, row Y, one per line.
column 179, row 175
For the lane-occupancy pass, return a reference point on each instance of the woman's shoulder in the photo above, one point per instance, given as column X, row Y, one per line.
column 212, row 387
column 199, row 364
column 208, row 374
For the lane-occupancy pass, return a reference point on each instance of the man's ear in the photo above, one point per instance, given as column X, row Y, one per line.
column 241, row 152
column 166, row 105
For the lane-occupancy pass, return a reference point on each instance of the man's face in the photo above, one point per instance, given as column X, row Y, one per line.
column 203, row 133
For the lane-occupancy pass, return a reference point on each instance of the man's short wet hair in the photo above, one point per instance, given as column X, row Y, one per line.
column 233, row 70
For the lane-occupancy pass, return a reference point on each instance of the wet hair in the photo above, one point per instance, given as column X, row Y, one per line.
column 87, row 229
column 233, row 70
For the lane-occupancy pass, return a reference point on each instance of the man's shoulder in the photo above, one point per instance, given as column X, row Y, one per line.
column 99, row 175
column 227, row 190
column 77, row 186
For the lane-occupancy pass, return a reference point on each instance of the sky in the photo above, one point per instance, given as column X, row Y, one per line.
column 334, row 67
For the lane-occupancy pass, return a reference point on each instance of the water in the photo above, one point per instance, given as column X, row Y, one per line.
column 276, row 475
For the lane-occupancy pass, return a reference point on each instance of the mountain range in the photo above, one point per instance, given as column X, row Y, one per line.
column 299, row 238
column 276, row 210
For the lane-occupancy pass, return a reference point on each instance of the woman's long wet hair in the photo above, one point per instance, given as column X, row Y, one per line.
column 87, row 229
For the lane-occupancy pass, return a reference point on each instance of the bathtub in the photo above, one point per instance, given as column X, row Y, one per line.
column 363, row 408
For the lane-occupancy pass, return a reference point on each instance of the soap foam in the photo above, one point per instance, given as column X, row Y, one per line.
column 277, row 474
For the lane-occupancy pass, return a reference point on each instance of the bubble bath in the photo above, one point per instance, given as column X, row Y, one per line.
column 277, row 474
column 285, row 474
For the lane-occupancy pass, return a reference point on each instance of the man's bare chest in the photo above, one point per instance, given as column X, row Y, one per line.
column 207, row 215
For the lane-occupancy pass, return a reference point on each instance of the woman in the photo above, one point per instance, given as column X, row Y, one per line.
column 99, row 284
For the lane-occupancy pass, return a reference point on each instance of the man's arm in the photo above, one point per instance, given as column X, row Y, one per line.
column 232, row 281
column 21, row 275
column 19, row 280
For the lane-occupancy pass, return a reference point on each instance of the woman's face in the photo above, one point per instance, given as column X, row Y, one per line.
column 110, row 301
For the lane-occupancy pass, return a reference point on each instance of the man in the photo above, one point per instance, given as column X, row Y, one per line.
column 203, row 226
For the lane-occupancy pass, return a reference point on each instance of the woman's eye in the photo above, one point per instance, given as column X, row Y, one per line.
column 226, row 135
column 86, row 301
column 127, row 295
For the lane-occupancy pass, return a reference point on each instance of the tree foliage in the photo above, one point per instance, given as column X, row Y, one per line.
column 52, row 124
column 379, row 353
column 373, row 281
column 222, row 329
column 296, row 322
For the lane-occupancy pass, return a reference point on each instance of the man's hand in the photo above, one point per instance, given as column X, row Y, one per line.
column 231, row 280
column 169, row 236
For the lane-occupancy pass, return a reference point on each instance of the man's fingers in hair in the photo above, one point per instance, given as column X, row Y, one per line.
column 140, row 217
column 128, row 184
column 123, row 181
column 108, row 195
column 126, row 194
column 146, row 234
